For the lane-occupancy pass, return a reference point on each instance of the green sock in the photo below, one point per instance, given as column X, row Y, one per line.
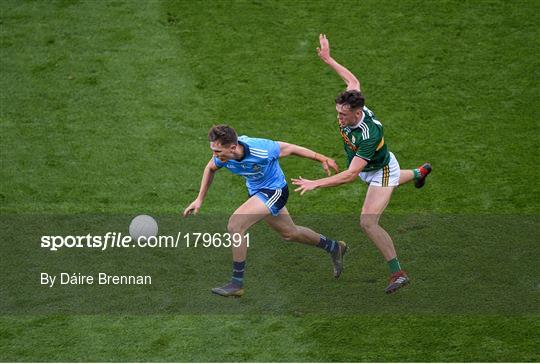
column 394, row 265
column 416, row 173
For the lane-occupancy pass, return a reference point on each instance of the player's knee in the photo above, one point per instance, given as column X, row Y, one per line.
column 289, row 235
column 368, row 222
column 234, row 227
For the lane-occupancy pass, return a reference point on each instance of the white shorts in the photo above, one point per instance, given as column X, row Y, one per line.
column 388, row 176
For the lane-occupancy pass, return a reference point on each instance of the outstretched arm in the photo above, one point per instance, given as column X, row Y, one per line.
column 324, row 54
column 347, row 176
column 286, row 149
column 208, row 176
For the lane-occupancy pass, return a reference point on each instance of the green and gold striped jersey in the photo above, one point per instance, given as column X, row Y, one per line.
column 366, row 140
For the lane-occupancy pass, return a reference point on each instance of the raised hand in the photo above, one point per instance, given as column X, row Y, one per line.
column 324, row 50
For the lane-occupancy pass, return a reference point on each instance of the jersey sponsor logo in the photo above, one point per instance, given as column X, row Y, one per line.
column 253, row 167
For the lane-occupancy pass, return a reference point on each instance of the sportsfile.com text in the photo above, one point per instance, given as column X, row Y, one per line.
column 119, row 240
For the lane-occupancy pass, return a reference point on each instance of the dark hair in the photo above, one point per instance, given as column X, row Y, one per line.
column 354, row 99
column 223, row 134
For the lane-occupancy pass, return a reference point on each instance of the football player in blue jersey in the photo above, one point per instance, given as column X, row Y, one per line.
column 257, row 160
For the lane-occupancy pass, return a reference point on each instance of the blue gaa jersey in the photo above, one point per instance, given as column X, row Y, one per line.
column 259, row 166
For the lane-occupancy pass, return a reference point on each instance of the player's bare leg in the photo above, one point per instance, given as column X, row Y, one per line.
column 405, row 176
column 289, row 231
column 248, row 214
column 377, row 198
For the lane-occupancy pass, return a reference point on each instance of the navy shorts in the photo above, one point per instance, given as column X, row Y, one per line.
column 274, row 200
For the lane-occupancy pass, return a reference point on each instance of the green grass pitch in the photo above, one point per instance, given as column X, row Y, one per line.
column 104, row 109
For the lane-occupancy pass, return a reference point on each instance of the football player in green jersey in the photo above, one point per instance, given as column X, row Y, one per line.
column 368, row 158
